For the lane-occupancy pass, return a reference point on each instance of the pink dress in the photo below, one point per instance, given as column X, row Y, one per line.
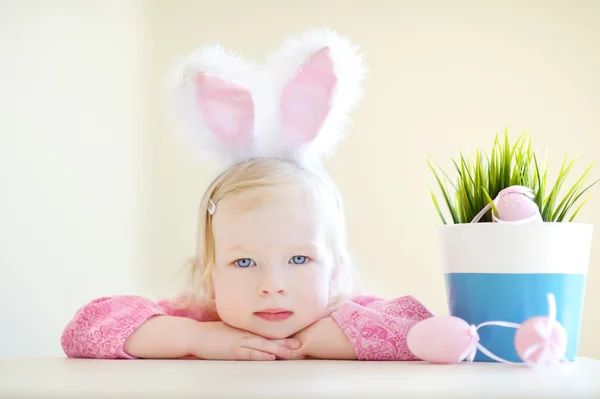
column 377, row 328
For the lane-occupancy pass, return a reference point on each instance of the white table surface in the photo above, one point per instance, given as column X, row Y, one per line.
column 86, row 378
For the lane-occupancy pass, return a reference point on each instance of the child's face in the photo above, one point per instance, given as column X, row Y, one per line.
column 271, row 257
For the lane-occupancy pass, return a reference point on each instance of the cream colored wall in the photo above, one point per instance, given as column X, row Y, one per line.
column 98, row 198
column 445, row 76
column 71, row 164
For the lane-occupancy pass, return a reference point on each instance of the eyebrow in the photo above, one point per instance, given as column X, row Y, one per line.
column 236, row 248
column 313, row 246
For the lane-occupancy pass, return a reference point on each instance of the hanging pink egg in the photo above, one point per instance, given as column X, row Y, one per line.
column 535, row 338
column 515, row 203
column 441, row 339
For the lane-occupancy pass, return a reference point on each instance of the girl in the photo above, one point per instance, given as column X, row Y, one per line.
column 271, row 278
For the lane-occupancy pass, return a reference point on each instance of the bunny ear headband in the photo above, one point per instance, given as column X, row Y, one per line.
column 295, row 105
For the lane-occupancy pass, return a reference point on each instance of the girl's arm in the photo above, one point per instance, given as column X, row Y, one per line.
column 125, row 327
column 368, row 328
column 100, row 328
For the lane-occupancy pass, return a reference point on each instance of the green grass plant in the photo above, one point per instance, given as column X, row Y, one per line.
column 479, row 181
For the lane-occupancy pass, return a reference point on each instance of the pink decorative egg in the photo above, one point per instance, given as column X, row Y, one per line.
column 515, row 203
column 441, row 339
column 529, row 336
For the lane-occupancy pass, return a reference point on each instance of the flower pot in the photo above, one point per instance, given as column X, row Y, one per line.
column 503, row 272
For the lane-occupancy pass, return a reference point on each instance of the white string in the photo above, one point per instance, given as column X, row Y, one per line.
column 469, row 353
column 481, row 213
column 551, row 308
column 486, row 352
column 545, row 333
column 495, row 219
column 507, row 324
column 549, row 351
column 526, row 192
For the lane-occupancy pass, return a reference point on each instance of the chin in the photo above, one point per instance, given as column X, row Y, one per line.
column 276, row 332
column 281, row 331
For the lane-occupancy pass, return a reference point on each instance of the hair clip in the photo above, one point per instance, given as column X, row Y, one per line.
column 212, row 208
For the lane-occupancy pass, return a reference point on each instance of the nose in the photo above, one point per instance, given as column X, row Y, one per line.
column 271, row 283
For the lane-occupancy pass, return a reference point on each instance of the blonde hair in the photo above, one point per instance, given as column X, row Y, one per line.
column 265, row 177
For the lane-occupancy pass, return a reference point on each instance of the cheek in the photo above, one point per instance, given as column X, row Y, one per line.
column 313, row 285
column 231, row 295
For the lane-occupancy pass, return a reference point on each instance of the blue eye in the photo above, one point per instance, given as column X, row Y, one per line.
column 299, row 259
column 244, row 262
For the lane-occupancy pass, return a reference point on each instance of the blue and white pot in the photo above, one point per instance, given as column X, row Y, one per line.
column 503, row 272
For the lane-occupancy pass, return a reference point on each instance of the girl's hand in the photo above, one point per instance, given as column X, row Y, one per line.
column 173, row 337
column 219, row 341
column 324, row 339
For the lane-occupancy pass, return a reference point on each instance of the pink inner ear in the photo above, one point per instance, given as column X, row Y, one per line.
column 305, row 101
column 227, row 108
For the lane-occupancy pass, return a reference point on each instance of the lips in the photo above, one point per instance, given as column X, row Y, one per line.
column 275, row 314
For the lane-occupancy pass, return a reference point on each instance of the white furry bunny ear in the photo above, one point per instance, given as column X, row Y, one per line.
column 212, row 101
column 318, row 82
column 297, row 107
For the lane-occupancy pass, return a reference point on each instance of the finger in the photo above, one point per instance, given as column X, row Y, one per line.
column 297, row 356
column 292, row 343
column 244, row 353
column 266, row 345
